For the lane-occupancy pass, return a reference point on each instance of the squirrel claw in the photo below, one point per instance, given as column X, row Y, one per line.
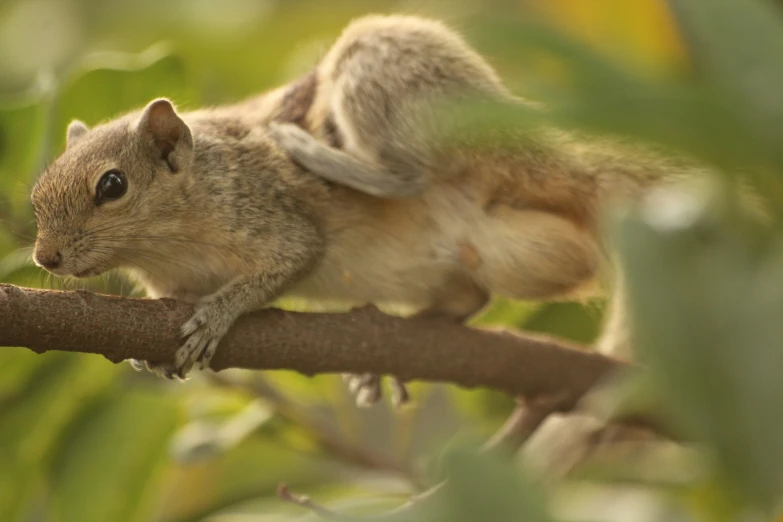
column 192, row 351
column 366, row 388
column 193, row 324
column 203, row 332
column 164, row 370
column 207, row 355
column 400, row 394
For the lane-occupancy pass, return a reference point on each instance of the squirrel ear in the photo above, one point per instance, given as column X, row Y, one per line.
column 169, row 135
column 76, row 129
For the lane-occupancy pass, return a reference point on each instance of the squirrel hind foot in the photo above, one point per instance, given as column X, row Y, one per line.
column 366, row 389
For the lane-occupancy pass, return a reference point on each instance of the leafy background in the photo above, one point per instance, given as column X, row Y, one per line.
column 84, row 440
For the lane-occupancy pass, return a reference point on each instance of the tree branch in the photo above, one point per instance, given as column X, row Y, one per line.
column 361, row 341
column 522, row 423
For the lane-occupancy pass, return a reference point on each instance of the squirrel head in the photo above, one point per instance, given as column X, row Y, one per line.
column 110, row 186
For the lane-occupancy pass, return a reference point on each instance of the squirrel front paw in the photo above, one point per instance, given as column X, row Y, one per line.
column 203, row 331
column 165, row 370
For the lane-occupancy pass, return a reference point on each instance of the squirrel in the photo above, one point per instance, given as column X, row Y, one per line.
column 285, row 193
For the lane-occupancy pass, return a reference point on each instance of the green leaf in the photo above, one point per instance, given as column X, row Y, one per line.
column 739, row 46
column 110, row 84
column 572, row 321
column 17, row 368
column 34, row 412
column 506, row 312
column 596, row 94
column 23, row 147
column 110, row 467
column 706, row 290
column 250, row 470
column 488, row 487
column 202, row 439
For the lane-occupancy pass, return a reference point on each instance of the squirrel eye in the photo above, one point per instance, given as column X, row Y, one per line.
column 111, row 186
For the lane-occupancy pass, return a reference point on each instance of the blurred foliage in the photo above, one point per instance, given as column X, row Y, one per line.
column 84, row 440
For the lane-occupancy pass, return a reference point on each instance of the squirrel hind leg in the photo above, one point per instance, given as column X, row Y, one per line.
column 459, row 299
column 535, row 255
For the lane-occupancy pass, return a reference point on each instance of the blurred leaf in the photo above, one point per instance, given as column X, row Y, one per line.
column 23, row 146
column 18, row 268
column 20, row 482
column 109, row 469
column 250, row 470
column 202, row 439
column 35, row 412
column 110, row 84
column 574, row 321
column 602, row 96
column 313, row 390
column 505, row 312
column 714, row 501
column 17, row 367
column 482, row 409
column 708, row 325
column 740, row 47
column 488, row 487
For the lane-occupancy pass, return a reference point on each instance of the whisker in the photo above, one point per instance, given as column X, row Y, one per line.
column 107, row 227
column 154, row 256
column 168, row 239
column 14, row 232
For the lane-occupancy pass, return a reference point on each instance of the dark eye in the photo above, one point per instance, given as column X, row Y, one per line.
column 111, row 186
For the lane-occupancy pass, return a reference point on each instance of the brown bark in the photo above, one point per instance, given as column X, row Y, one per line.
column 363, row 340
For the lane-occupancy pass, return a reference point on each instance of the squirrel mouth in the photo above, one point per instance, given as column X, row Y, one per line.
column 85, row 273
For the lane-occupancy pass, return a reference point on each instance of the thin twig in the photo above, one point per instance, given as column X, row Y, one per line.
column 527, row 416
column 413, row 504
column 303, row 500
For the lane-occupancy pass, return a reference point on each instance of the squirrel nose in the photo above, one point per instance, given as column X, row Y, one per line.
column 50, row 261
